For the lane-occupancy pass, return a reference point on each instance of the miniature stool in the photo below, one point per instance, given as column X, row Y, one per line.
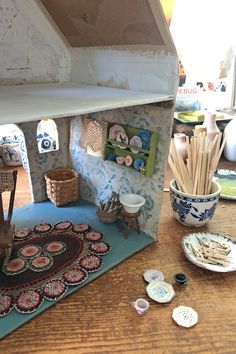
column 129, row 221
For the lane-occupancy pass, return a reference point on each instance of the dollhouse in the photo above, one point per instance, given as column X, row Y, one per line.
column 111, row 61
column 86, row 67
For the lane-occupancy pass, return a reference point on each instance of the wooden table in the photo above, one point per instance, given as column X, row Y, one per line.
column 99, row 318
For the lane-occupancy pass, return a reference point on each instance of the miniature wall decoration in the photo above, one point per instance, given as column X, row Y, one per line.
column 132, row 147
column 47, row 136
column 92, row 136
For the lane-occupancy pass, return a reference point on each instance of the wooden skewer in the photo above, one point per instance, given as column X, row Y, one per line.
column 195, row 175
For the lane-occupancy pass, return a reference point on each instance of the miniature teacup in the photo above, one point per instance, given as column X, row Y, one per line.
column 141, row 305
column 180, row 278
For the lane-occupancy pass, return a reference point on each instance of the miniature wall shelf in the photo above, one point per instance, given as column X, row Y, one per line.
column 137, row 154
column 26, row 103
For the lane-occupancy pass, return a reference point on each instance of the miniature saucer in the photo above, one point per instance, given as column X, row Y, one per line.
column 145, row 138
column 115, row 131
column 128, row 160
column 185, row 316
column 160, row 291
column 122, row 138
column 135, row 141
column 153, row 274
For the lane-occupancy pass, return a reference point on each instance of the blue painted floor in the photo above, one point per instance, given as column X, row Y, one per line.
column 79, row 212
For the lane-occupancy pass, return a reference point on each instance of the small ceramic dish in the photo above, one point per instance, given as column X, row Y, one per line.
column 227, row 180
column 115, row 131
column 160, row 291
column 153, row 274
column 138, row 164
column 120, row 160
column 122, row 138
column 132, row 202
column 192, row 242
column 128, row 160
column 135, row 141
column 185, row 316
column 145, row 138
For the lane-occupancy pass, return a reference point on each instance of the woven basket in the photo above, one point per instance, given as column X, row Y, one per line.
column 107, row 217
column 62, row 185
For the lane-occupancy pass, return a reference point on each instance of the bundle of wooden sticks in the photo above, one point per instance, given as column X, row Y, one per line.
column 194, row 176
column 213, row 252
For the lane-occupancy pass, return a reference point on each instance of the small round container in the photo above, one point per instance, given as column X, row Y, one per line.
column 180, row 278
column 132, row 202
column 193, row 210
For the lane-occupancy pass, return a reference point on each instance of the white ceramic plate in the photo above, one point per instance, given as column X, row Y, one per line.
column 153, row 274
column 135, row 141
column 185, row 316
column 115, row 131
column 123, row 138
column 160, row 291
column 197, row 239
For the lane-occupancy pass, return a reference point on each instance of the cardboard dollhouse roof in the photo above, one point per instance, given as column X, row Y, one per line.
column 107, row 22
column 114, row 53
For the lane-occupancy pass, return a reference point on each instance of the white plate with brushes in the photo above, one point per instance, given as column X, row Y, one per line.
column 210, row 251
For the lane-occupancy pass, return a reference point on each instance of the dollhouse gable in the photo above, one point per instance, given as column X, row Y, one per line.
column 110, row 60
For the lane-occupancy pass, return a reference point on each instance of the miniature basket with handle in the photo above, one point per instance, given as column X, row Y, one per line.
column 62, row 185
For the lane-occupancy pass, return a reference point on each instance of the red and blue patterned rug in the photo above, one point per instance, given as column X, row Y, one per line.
column 46, row 260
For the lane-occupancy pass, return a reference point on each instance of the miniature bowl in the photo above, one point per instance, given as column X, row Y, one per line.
column 132, row 202
column 193, row 210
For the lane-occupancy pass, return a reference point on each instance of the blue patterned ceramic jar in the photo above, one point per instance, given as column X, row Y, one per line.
column 10, row 154
column 193, row 210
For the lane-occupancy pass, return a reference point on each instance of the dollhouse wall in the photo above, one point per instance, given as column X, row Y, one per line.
column 31, row 49
column 136, row 56
column 99, row 178
column 39, row 163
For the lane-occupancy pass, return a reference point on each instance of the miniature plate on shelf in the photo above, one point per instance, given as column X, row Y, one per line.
column 135, row 141
column 115, row 131
column 122, row 138
column 145, row 137
column 192, row 243
column 227, row 180
column 160, row 291
column 185, row 316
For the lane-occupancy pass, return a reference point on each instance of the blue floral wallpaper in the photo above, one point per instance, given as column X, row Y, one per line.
column 99, row 178
column 36, row 163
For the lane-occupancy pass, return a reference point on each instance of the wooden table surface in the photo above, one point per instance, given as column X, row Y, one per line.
column 99, row 318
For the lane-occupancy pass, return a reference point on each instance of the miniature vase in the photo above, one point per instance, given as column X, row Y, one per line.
column 230, row 144
column 181, row 144
column 210, row 124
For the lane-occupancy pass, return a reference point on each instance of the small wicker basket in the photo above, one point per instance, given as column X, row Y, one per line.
column 62, row 185
column 106, row 216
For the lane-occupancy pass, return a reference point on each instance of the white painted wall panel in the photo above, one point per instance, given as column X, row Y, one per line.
column 30, row 48
column 139, row 69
